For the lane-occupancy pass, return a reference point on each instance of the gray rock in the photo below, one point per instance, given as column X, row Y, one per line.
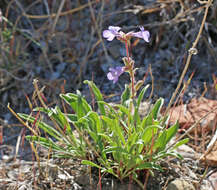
column 180, row 184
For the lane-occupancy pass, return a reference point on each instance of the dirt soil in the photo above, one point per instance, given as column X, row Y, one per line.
column 60, row 43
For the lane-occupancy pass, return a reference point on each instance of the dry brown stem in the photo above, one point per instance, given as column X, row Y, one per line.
column 192, row 51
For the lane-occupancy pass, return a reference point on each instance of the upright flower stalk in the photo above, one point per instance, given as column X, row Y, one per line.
column 130, row 69
column 127, row 50
column 110, row 34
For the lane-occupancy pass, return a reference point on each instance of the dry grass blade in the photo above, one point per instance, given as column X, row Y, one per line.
column 210, row 146
column 21, row 121
column 18, row 144
column 192, row 127
column 57, row 16
column 72, row 11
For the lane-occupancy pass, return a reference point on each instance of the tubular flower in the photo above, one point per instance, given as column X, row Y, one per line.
column 114, row 31
column 111, row 33
column 144, row 34
column 115, row 73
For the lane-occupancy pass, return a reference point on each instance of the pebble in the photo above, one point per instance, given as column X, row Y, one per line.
column 213, row 180
column 180, row 184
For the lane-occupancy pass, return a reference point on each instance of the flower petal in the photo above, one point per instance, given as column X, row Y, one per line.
column 115, row 73
column 108, row 35
column 111, row 33
column 119, row 70
column 115, row 79
column 114, row 28
column 141, row 28
column 144, row 34
column 110, row 76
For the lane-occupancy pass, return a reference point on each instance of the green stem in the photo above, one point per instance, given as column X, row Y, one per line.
column 127, row 50
column 131, row 69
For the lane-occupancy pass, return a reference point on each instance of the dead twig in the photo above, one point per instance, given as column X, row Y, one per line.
column 72, row 11
column 192, row 51
column 192, row 127
column 57, row 16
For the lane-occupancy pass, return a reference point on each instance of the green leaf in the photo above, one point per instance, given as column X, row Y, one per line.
column 135, row 147
column 71, row 117
column 148, row 120
column 48, row 143
column 61, row 119
column 140, row 97
column 149, row 132
column 173, row 154
column 96, row 121
column 149, row 165
column 123, row 109
column 124, row 113
column 164, row 154
column 106, row 138
column 93, row 135
column 96, row 91
column 160, row 142
column 157, row 107
column 72, row 100
column 108, row 120
column 119, row 130
column 79, row 107
column 115, row 149
column 110, row 108
column 181, row 142
column 45, row 127
column 82, row 123
column 89, row 163
column 125, row 95
column 131, row 141
column 42, row 109
column 171, row 132
column 116, row 130
column 97, row 94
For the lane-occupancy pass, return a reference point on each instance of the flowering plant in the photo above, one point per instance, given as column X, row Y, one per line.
column 116, row 138
column 113, row 31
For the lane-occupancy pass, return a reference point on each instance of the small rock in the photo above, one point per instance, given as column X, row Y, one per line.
column 213, row 180
column 211, row 158
column 185, row 151
column 188, row 114
column 180, row 184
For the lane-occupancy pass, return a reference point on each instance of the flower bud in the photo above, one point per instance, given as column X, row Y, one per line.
column 139, row 84
column 129, row 63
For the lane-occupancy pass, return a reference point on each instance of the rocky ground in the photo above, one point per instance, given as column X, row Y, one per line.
column 61, row 45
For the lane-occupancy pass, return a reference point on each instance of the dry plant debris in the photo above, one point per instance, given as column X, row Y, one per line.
column 188, row 114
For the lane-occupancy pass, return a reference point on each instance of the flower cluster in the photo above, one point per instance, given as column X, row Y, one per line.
column 114, row 31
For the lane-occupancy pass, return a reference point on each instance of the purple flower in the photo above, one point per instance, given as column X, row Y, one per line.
column 144, row 34
column 115, row 73
column 111, row 33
